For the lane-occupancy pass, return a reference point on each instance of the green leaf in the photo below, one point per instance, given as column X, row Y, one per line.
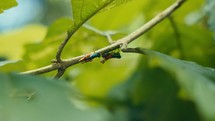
column 117, row 18
column 85, row 9
column 12, row 66
column 196, row 81
column 29, row 98
column 151, row 94
column 41, row 53
column 84, row 41
column 6, row 4
column 188, row 44
column 57, row 28
column 12, row 42
column 96, row 79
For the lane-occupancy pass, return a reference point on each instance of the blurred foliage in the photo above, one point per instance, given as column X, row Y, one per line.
column 16, row 39
column 51, row 99
column 6, row 4
column 156, row 87
column 209, row 9
column 196, row 81
column 55, row 9
column 152, row 94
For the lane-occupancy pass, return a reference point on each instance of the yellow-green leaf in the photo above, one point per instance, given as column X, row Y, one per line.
column 6, row 4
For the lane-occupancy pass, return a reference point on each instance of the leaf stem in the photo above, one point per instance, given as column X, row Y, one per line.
column 177, row 36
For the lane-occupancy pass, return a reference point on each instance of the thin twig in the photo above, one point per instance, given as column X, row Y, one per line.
column 58, row 55
column 106, row 34
column 177, row 36
column 135, row 50
column 60, row 73
column 127, row 39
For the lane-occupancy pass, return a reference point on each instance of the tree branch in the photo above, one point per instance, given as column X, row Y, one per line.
column 106, row 34
column 60, row 49
column 135, row 50
column 76, row 27
column 60, row 73
column 124, row 41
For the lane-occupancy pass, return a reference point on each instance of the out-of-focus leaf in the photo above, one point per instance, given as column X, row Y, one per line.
column 29, row 98
column 194, row 17
column 40, row 54
column 198, row 82
column 2, row 63
column 151, row 94
column 12, row 66
column 117, row 18
column 209, row 8
column 188, row 44
column 6, row 4
column 96, row 79
column 12, row 43
column 93, row 78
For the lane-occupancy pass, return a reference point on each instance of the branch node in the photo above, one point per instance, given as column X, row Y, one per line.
column 60, row 73
column 54, row 61
column 124, row 46
column 61, row 47
column 110, row 40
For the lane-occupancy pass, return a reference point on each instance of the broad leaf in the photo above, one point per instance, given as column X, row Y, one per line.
column 150, row 84
column 12, row 43
column 85, row 9
column 151, row 94
column 196, row 81
column 6, row 4
column 29, row 98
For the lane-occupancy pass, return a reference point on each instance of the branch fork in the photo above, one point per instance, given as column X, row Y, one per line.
column 62, row 64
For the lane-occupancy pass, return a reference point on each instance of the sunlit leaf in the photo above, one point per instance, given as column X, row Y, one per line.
column 41, row 54
column 6, row 4
column 116, row 19
column 13, row 42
